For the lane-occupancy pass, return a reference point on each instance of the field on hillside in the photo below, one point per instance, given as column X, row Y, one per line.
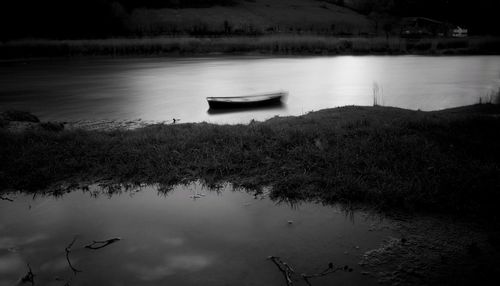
column 253, row 17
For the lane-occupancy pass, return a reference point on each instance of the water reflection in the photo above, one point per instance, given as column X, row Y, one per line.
column 160, row 89
column 276, row 108
column 169, row 266
column 170, row 237
column 9, row 263
column 9, row 242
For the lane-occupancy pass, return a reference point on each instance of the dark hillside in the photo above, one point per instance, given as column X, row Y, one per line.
column 479, row 16
column 85, row 19
column 176, row 3
column 81, row 19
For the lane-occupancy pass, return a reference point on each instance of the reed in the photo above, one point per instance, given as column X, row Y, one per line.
column 287, row 44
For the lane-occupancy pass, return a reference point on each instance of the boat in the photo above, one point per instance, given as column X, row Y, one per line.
column 247, row 101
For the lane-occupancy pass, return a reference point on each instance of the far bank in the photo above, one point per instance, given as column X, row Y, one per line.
column 280, row 44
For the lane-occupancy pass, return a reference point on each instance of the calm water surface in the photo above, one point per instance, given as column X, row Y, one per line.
column 160, row 89
column 221, row 238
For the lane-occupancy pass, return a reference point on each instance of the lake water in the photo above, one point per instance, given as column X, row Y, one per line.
column 220, row 238
column 160, row 89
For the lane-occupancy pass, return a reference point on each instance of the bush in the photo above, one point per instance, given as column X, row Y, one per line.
column 16, row 115
column 453, row 44
column 52, row 126
column 3, row 123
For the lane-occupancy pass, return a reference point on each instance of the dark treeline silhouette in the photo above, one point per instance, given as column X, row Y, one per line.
column 130, row 4
column 63, row 19
column 60, row 19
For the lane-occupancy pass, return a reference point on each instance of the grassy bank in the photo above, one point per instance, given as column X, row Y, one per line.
column 274, row 44
column 442, row 161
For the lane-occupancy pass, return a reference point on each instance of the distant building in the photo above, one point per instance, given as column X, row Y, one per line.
column 418, row 27
column 459, row 32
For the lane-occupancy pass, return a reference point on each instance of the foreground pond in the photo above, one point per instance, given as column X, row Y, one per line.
column 215, row 238
column 160, row 89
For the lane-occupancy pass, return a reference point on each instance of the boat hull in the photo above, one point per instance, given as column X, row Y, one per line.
column 245, row 101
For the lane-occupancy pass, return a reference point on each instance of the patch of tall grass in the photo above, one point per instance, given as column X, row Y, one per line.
column 445, row 161
column 493, row 97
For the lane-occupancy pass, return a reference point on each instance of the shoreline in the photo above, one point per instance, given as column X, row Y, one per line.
column 433, row 174
column 287, row 45
column 251, row 55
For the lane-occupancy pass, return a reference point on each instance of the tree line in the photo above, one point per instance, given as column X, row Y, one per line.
column 79, row 18
column 130, row 4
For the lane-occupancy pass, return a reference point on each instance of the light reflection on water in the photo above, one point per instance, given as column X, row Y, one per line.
column 221, row 237
column 160, row 89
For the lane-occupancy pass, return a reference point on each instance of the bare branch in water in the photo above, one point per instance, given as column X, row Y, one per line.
column 68, row 250
column 331, row 269
column 96, row 244
column 29, row 278
column 286, row 269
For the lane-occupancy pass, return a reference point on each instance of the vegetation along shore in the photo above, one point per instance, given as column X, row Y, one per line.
column 266, row 45
column 446, row 161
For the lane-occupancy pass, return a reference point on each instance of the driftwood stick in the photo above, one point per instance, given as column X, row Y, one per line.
column 284, row 268
column 331, row 269
column 6, row 199
column 68, row 250
column 29, row 278
column 97, row 244
column 288, row 271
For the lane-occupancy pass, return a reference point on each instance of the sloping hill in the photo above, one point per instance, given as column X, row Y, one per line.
column 252, row 16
